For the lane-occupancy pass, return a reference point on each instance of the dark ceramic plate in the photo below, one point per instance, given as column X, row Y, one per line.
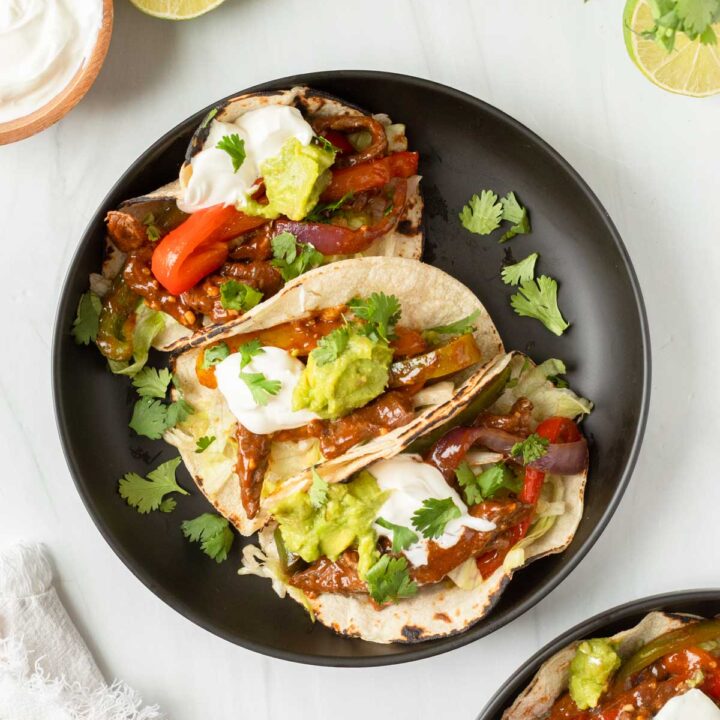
column 465, row 146
column 705, row 603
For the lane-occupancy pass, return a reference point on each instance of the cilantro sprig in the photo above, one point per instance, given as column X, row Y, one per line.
column 459, row 327
column 203, row 443
column 87, row 319
column 318, row 492
column 330, row 347
column 151, row 417
column 260, row 387
column 234, row 146
column 514, row 213
column 694, row 18
column 432, row 517
column 521, row 271
column 389, row 580
column 538, row 299
column 293, row 258
column 147, row 494
column 150, row 382
column 531, row 449
column 249, row 350
column 212, row 532
column 403, row 537
column 484, row 213
column 487, row 484
column 381, row 313
column 215, row 354
column 238, row 296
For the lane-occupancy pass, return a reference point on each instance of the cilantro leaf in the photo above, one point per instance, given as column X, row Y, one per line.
column 516, row 214
column 204, row 443
column 389, row 579
column 238, row 296
column 249, row 350
column 520, row 271
column 318, row 492
column 403, row 537
column 538, row 299
column 215, row 354
column 380, row 311
column 434, row 515
column 292, row 258
column 178, row 412
column 459, row 327
column 151, row 230
column 531, row 449
column 485, row 485
column 150, row 382
column 234, row 146
column 149, row 418
column 696, row 15
column 325, row 144
column 260, row 387
column 148, row 494
column 330, row 347
column 213, row 532
column 482, row 214
column 87, row 319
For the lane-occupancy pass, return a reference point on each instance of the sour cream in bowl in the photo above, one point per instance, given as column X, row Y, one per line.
column 50, row 53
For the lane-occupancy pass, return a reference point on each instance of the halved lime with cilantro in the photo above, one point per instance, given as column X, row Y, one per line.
column 176, row 9
column 690, row 68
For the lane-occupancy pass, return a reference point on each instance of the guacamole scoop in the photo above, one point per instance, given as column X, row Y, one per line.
column 357, row 375
column 591, row 670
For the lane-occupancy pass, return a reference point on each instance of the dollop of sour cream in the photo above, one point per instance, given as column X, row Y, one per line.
column 43, row 43
column 277, row 414
column 693, row 705
column 410, row 482
column 213, row 180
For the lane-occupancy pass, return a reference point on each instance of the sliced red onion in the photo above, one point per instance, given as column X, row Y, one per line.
column 564, row 458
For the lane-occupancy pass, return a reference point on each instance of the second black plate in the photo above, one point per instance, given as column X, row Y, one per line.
column 465, row 146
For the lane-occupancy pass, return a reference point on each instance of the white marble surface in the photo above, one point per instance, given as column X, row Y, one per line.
column 558, row 66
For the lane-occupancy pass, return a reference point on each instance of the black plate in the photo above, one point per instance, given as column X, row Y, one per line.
column 705, row 603
column 465, row 146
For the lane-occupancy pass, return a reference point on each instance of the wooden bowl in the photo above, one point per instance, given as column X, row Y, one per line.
column 74, row 91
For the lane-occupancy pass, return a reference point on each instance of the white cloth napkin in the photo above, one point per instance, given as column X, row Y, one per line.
column 46, row 670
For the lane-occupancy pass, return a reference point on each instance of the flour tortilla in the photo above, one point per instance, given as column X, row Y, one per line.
column 405, row 240
column 428, row 297
column 442, row 609
column 551, row 680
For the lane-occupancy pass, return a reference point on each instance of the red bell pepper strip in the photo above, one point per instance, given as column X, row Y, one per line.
column 557, row 430
column 339, row 140
column 370, row 175
column 199, row 246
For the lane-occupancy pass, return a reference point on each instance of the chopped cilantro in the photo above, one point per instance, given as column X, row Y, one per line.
column 380, row 311
column 151, row 230
column 292, row 258
column 238, row 296
column 389, row 579
column 531, row 449
column 694, row 18
column 167, row 505
column 434, row 515
column 459, row 327
column 318, row 492
column 148, row 494
column 325, row 144
column 249, row 350
column 485, row 485
column 234, row 146
column 215, row 354
column 403, row 537
column 330, row 347
column 204, row 443
column 212, row 532
column 515, row 213
column 521, row 271
column 150, row 382
column 538, row 299
column 87, row 319
column 482, row 214
column 323, row 211
column 260, row 387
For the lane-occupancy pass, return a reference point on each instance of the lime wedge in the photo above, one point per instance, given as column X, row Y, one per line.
column 690, row 69
column 176, row 9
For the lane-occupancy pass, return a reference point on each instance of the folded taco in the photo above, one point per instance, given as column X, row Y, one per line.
column 344, row 365
column 420, row 544
column 274, row 184
column 666, row 667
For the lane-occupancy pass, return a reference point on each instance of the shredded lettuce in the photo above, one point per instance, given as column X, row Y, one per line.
column 148, row 324
column 533, row 382
column 466, row 576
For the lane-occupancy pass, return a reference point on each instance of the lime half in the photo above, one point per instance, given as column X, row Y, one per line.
column 176, row 9
column 690, row 69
